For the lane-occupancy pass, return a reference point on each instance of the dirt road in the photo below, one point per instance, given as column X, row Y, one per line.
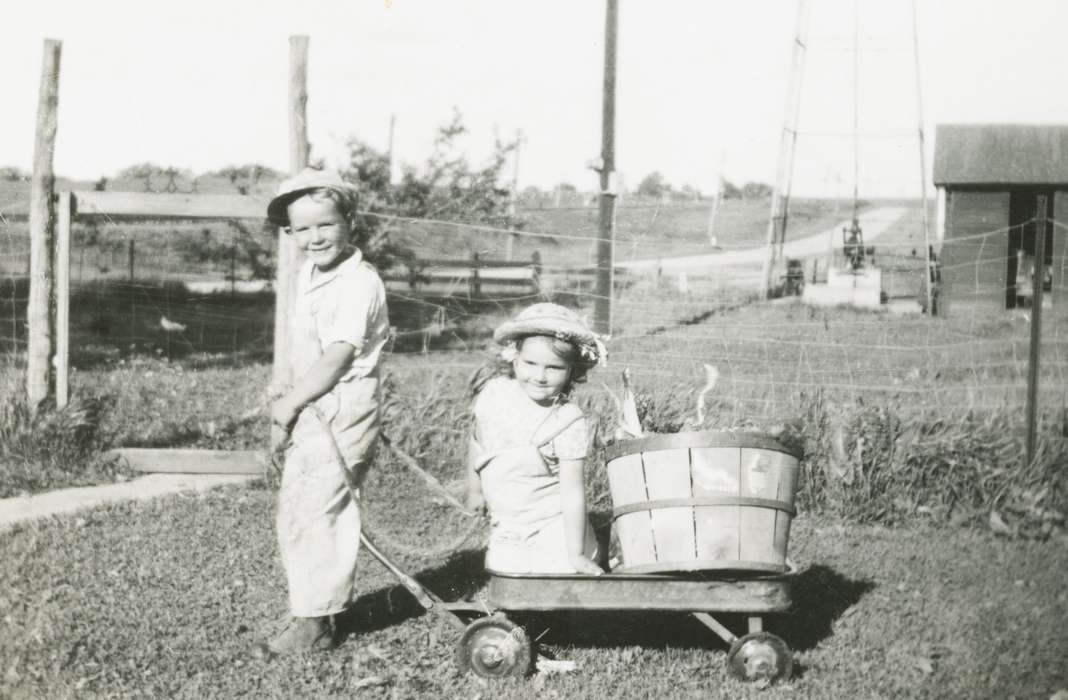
column 873, row 222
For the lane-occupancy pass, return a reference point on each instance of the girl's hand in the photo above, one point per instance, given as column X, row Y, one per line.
column 476, row 503
column 284, row 413
column 585, row 565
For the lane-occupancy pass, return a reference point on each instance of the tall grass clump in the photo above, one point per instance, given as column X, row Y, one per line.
column 886, row 463
column 53, row 448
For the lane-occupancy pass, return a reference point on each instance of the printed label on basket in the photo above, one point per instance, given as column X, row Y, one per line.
column 714, row 470
column 762, row 482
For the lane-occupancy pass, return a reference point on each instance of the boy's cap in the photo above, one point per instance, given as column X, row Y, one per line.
column 293, row 187
column 552, row 320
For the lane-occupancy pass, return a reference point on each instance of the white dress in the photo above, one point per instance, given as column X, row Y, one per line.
column 520, row 444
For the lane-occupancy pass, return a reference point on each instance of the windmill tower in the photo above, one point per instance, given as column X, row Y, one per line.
column 853, row 245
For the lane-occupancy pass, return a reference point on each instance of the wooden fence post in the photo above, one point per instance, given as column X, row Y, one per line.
column 42, row 222
column 475, row 284
column 233, row 269
column 288, row 254
column 535, row 273
column 1038, row 283
column 62, row 263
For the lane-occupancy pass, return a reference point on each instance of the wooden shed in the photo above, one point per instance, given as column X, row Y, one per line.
column 990, row 178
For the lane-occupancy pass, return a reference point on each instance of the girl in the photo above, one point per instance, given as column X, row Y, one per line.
column 529, row 444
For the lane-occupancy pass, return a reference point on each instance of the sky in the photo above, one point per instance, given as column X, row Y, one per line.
column 702, row 84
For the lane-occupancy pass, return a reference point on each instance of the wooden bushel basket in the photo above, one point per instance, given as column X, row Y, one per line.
column 702, row 501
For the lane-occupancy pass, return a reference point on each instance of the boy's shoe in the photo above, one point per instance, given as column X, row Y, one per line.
column 304, row 634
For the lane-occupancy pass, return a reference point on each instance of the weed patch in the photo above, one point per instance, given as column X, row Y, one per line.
column 53, row 448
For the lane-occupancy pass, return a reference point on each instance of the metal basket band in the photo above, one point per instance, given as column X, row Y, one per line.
column 704, row 501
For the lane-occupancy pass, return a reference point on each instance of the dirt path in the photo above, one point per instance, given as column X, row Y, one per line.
column 874, row 223
column 63, row 501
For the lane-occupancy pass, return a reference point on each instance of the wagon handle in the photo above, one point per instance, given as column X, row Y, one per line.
column 425, row 598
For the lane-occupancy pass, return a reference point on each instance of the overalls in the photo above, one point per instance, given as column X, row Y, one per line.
column 318, row 520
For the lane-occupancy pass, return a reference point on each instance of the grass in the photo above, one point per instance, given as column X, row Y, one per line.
column 168, row 598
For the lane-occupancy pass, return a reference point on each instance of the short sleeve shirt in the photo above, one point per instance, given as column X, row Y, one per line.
column 346, row 304
column 506, row 417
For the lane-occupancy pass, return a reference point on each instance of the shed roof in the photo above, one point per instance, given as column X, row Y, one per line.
column 1001, row 154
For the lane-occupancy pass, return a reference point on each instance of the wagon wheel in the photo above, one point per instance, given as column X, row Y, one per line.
column 495, row 647
column 760, row 656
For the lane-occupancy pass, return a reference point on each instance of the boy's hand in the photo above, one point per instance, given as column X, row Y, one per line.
column 585, row 565
column 284, row 413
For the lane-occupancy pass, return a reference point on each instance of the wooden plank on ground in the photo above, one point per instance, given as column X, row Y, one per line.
column 188, row 461
column 175, row 206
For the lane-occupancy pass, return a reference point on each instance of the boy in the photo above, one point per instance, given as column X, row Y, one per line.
column 339, row 327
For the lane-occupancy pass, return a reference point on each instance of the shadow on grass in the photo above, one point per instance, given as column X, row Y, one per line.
column 461, row 575
column 820, row 596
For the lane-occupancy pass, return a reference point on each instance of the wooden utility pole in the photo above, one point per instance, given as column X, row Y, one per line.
column 606, row 233
column 288, row 253
column 923, row 165
column 780, row 198
column 42, row 229
column 1038, row 283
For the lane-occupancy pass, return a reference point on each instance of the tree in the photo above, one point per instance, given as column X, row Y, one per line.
column 531, row 196
column 446, row 187
column 653, row 185
column 245, row 177
column 165, row 176
column 730, row 190
column 756, row 190
column 690, row 193
column 9, row 173
column 140, row 171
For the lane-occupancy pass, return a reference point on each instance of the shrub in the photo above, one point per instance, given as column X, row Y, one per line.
column 52, row 448
column 882, row 464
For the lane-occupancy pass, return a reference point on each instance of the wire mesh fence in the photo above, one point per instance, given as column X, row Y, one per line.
column 180, row 290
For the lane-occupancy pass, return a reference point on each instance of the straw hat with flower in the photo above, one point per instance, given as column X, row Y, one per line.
column 554, row 321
